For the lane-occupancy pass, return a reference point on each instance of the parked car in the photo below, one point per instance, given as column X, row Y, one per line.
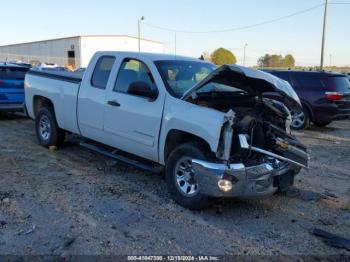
column 214, row 137
column 348, row 76
column 325, row 96
column 50, row 67
column 20, row 62
column 12, row 86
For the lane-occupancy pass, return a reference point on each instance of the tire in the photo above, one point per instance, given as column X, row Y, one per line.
column 47, row 131
column 321, row 124
column 180, row 155
column 300, row 120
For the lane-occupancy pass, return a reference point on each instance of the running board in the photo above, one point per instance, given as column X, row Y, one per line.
column 154, row 168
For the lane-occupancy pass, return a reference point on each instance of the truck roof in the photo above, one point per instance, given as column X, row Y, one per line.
column 152, row 56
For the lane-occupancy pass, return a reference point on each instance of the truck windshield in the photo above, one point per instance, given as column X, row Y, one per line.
column 180, row 75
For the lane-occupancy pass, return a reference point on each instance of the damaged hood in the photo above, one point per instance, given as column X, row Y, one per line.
column 254, row 82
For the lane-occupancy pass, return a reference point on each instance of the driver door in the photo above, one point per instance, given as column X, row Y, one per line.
column 132, row 123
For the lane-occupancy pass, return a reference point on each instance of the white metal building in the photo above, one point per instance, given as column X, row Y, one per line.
column 74, row 51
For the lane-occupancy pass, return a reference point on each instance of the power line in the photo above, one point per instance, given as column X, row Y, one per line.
column 236, row 28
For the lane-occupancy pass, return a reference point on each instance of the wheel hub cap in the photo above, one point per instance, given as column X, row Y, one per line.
column 298, row 119
column 45, row 127
column 185, row 177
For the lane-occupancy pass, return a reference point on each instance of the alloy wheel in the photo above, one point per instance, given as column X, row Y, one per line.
column 298, row 119
column 185, row 177
column 45, row 127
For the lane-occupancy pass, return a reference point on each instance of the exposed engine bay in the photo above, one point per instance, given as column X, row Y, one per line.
column 256, row 130
column 256, row 154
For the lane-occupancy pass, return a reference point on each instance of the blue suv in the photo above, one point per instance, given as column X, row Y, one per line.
column 12, row 86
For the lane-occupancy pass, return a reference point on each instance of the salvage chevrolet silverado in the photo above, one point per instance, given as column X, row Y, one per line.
column 210, row 128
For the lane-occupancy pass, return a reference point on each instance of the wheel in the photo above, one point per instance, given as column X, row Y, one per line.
column 47, row 130
column 321, row 124
column 180, row 176
column 300, row 119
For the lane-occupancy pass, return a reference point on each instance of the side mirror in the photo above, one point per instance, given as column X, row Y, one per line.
column 140, row 88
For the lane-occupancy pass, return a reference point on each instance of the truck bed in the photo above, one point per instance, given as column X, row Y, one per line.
column 61, row 88
column 74, row 77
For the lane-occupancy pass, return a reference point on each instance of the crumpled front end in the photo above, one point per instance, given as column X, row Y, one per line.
column 238, row 180
column 256, row 153
column 256, row 157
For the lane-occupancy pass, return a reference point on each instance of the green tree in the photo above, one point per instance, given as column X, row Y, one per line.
column 223, row 56
column 276, row 61
column 289, row 61
column 264, row 60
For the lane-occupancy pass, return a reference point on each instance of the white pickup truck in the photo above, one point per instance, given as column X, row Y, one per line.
column 210, row 128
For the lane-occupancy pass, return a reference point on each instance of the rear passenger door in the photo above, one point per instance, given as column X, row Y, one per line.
column 132, row 123
column 92, row 94
column 310, row 86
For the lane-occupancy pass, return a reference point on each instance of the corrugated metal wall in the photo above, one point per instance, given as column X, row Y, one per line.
column 56, row 50
column 51, row 51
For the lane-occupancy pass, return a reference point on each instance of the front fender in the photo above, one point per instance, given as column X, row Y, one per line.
column 200, row 121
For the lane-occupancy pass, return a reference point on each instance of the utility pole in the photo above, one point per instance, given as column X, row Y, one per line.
column 324, row 32
column 244, row 50
column 139, row 31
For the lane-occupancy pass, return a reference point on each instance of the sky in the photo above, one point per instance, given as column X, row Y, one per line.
column 24, row 21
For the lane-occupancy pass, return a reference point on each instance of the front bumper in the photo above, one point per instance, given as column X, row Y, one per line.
column 255, row 181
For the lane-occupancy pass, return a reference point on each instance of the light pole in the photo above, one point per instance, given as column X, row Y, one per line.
column 324, row 33
column 139, row 31
column 330, row 60
column 244, row 50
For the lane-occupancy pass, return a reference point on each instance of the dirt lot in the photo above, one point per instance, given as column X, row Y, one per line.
column 73, row 202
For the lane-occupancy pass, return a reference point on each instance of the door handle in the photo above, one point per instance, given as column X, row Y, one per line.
column 113, row 103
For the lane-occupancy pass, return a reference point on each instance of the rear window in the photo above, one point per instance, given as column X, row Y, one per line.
column 339, row 83
column 310, row 80
column 10, row 73
column 102, row 71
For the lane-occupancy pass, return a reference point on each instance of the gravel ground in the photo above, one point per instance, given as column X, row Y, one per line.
column 74, row 202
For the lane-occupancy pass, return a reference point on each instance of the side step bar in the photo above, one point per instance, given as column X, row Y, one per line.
column 154, row 168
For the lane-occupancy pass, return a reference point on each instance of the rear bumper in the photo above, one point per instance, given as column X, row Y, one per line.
column 342, row 114
column 329, row 112
column 12, row 107
column 255, row 181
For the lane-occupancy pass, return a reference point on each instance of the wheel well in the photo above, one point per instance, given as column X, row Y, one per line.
column 177, row 137
column 39, row 102
column 308, row 110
